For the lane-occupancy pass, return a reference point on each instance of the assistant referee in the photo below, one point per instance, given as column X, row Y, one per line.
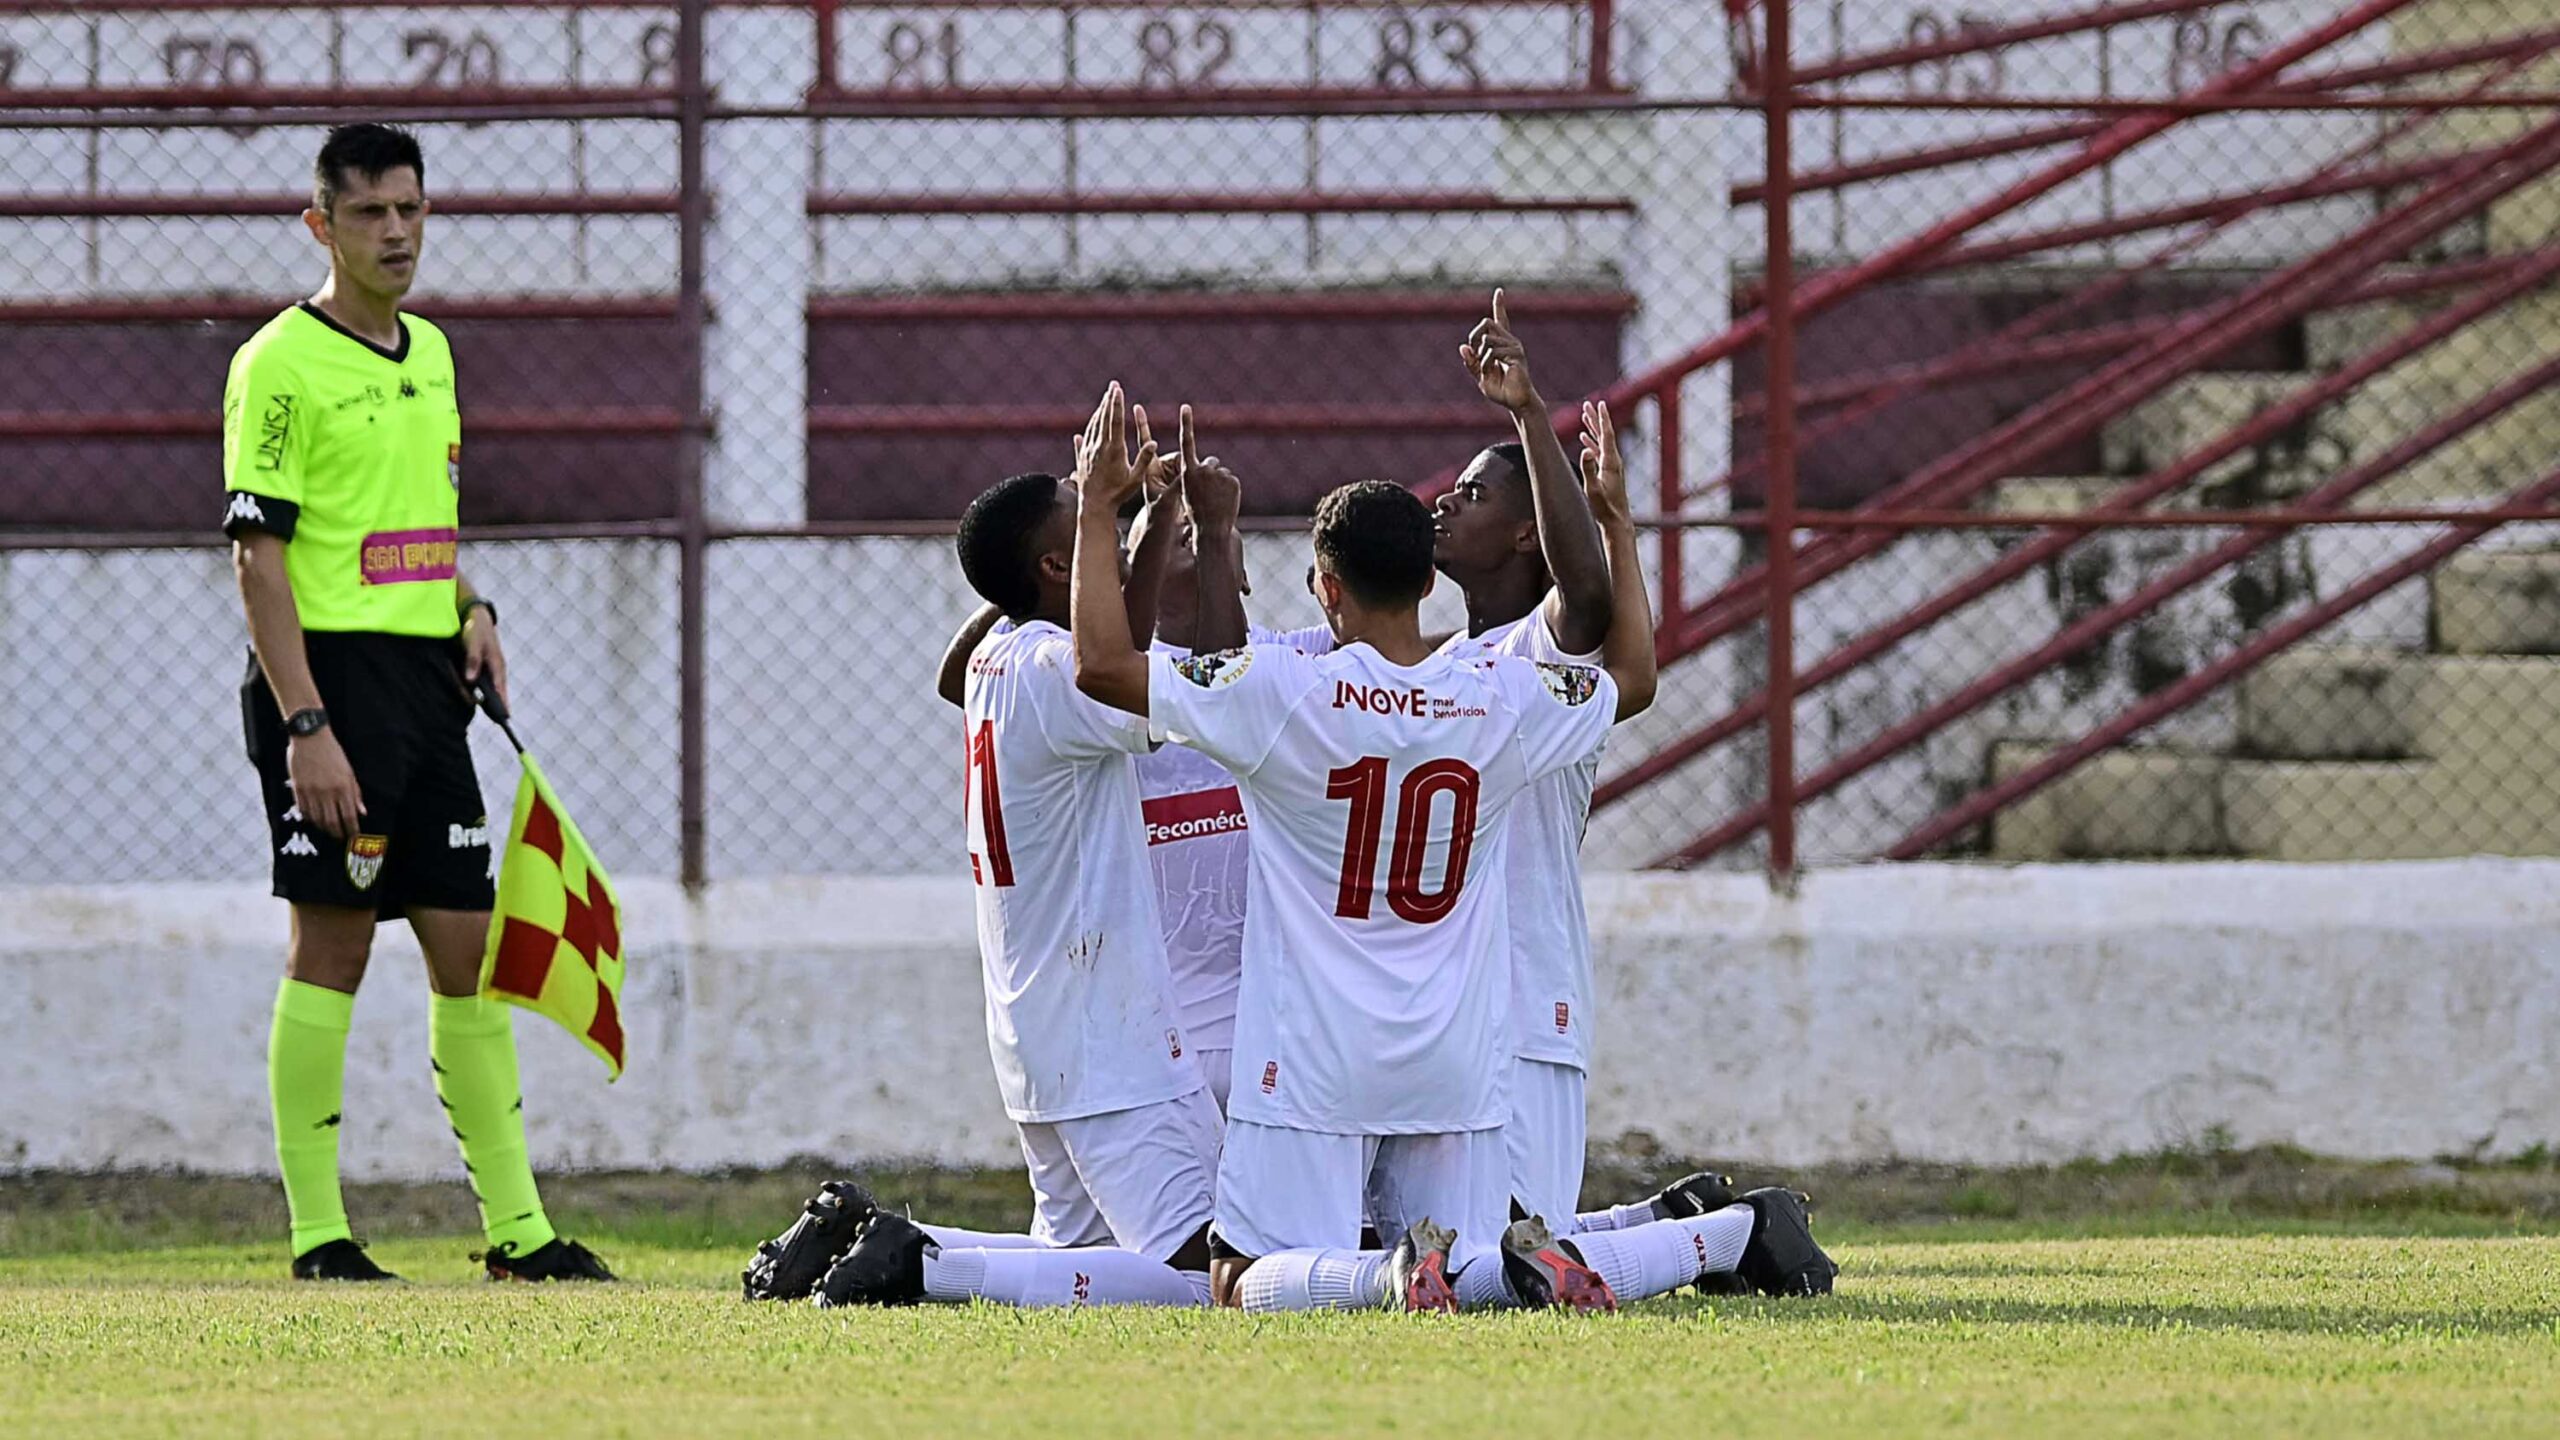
column 342, row 463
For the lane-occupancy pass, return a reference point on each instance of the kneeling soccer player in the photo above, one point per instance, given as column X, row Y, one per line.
column 1371, row 1038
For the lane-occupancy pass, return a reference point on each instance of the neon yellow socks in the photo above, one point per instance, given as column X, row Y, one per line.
column 473, row 1044
column 306, row 1079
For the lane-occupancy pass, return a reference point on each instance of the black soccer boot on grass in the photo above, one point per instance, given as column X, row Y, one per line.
column 1781, row 1258
column 1690, row 1196
column 555, row 1259
column 787, row 1267
column 1546, row 1272
column 884, row 1267
column 338, row 1260
column 1417, row 1274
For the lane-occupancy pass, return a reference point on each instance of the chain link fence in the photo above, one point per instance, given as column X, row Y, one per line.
column 2126, row 365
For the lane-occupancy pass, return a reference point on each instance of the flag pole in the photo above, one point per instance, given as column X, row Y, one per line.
column 494, row 706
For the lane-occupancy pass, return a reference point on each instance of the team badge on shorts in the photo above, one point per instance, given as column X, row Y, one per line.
column 1570, row 684
column 1215, row 671
column 364, row 859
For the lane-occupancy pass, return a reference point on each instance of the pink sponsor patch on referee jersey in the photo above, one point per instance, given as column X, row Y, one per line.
column 1172, row 818
column 397, row 557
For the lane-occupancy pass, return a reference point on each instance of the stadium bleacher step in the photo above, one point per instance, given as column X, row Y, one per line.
column 2331, row 703
column 2493, row 602
column 2126, row 804
column 2198, row 409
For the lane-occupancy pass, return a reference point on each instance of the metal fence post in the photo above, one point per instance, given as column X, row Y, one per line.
column 694, row 105
column 1776, row 86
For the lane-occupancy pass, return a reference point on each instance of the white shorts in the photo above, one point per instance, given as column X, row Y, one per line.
column 1545, row 1137
column 1138, row 1179
column 1219, row 1067
column 1281, row 1189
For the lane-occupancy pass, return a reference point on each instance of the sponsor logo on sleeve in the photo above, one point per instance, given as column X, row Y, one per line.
column 364, row 859
column 399, row 557
column 275, row 431
column 1570, row 684
column 1215, row 671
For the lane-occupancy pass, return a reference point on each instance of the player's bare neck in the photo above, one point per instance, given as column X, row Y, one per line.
column 1395, row 635
column 366, row 316
column 1503, row 596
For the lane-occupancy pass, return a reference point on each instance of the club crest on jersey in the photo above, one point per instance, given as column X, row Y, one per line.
column 1215, row 671
column 1570, row 684
column 364, row 859
column 1173, row 1042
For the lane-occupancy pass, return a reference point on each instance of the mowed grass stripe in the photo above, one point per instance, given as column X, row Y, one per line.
column 2276, row 1335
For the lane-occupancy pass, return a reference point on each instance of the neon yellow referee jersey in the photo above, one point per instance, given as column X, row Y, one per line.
column 353, row 454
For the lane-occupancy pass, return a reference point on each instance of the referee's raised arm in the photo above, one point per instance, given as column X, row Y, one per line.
column 342, row 473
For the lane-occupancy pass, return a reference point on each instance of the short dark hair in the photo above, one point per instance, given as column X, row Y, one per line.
column 372, row 151
column 998, row 533
column 1515, row 485
column 1376, row 538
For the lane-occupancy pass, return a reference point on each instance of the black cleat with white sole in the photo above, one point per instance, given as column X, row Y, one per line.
column 884, row 1267
column 1781, row 1258
column 788, row 1266
column 1701, row 1193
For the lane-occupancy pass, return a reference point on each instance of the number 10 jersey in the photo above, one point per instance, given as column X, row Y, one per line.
column 1376, row 947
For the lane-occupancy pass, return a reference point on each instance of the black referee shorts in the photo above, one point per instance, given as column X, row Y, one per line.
column 396, row 704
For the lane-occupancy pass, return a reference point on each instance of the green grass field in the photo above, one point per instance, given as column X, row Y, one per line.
column 155, row 1308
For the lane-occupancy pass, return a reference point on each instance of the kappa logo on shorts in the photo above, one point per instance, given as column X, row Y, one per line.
column 298, row 843
column 364, row 859
column 1215, row 671
column 1270, row 1077
column 1570, row 684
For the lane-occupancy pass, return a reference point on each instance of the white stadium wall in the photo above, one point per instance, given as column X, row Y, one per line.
column 1921, row 1012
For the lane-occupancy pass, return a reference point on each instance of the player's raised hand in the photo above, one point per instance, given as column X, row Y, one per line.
column 1106, row 474
column 1162, row 482
column 1604, row 470
column 1211, row 489
column 1499, row 362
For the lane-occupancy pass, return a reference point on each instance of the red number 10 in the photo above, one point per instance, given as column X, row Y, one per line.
column 1364, row 784
column 998, row 869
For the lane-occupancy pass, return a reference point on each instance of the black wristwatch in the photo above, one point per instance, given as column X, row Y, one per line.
column 303, row 723
column 479, row 602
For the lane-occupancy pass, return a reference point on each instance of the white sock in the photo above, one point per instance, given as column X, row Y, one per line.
column 1483, row 1286
column 1654, row 1259
column 1042, row 1278
column 952, row 1237
column 1616, row 1217
column 1315, row 1280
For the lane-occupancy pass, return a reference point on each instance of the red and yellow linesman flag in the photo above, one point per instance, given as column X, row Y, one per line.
column 555, row 943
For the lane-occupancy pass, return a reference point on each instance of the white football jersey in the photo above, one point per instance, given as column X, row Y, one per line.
column 1377, row 954
column 1196, row 845
column 1551, row 986
column 1080, row 1013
